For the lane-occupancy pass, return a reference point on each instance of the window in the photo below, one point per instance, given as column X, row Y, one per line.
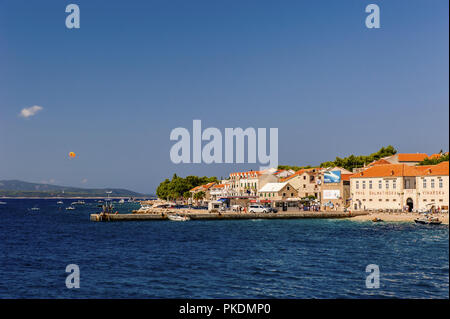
column 387, row 184
column 387, row 200
column 394, row 184
column 432, row 183
column 380, row 184
column 284, row 194
column 288, row 188
column 364, row 185
column 370, row 184
column 380, row 200
column 357, row 184
column 304, row 185
column 441, row 184
column 292, row 194
column 424, row 183
column 304, row 177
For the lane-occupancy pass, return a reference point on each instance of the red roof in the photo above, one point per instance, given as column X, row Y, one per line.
column 399, row 170
column 411, row 157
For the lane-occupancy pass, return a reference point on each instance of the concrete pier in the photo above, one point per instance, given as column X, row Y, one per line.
column 224, row 216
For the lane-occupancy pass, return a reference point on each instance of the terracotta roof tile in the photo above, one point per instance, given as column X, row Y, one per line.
column 399, row 170
column 411, row 157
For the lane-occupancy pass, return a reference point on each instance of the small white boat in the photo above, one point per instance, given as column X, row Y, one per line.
column 35, row 208
column 60, row 202
column 70, row 208
column 79, row 202
column 122, row 201
column 2, row 203
column 178, row 218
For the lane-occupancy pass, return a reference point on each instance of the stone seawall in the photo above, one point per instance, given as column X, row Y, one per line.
column 224, row 216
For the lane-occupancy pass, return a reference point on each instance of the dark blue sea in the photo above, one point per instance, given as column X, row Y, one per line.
column 214, row 259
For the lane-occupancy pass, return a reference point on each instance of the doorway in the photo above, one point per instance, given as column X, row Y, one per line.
column 410, row 204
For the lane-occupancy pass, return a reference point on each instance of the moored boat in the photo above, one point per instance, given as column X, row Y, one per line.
column 178, row 218
column 428, row 221
column 70, row 208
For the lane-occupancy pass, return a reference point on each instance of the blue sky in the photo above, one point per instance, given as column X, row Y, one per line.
column 113, row 90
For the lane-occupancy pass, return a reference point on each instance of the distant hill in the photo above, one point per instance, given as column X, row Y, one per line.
column 15, row 188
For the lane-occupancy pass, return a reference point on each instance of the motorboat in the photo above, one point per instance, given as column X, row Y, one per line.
column 70, row 208
column 377, row 220
column 2, row 203
column 122, row 201
column 428, row 221
column 144, row 209
column 60, row 202
column 35, row 208
column 79, row 202
column 178, row 218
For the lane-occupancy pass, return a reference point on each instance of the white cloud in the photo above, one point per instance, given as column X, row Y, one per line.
column 30, row 111
column 84, row 181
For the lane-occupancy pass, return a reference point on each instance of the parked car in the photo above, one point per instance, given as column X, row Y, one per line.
column 258, row 209
column 271, row 210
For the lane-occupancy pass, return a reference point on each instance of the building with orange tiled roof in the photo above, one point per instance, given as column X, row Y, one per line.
column 203, row 188
column 401, row 187
column 248, row 183
column 306, row 182
column 381, row 161
column 220, row 190
column 406, row 158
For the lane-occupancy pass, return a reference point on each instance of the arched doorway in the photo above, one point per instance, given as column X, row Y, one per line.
column 410, row 204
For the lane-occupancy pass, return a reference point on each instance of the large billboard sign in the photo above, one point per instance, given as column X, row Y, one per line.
column 332, row 177
column 331, row 194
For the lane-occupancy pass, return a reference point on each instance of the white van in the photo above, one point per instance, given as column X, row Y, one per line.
column 258, row 209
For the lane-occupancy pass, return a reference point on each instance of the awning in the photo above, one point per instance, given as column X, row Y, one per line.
column 222, row 200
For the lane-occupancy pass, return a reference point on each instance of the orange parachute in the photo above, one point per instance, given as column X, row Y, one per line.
column 72, row 155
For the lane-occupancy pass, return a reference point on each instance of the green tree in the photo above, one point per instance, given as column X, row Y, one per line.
column 434, row 161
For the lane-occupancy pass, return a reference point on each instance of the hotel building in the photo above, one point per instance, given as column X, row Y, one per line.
column 400, row 187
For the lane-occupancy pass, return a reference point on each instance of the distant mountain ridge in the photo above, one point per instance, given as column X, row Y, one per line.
column 16, row 188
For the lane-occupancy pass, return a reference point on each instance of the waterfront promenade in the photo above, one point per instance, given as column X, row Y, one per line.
column 195, row 215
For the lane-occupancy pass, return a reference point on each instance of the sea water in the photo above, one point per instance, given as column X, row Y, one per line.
column 304, row 258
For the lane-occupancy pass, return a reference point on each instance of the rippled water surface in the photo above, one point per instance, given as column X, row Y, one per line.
column 214, row 259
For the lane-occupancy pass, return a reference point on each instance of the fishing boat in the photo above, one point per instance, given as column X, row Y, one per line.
column 178, row 218
column 70, row 208
column 428, row 221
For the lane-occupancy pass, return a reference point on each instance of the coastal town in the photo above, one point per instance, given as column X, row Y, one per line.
column 398, row 187
column 392, row 184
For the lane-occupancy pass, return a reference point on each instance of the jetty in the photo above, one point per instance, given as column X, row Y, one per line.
column 224, row 215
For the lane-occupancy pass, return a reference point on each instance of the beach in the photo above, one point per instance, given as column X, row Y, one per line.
column 397, row 217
